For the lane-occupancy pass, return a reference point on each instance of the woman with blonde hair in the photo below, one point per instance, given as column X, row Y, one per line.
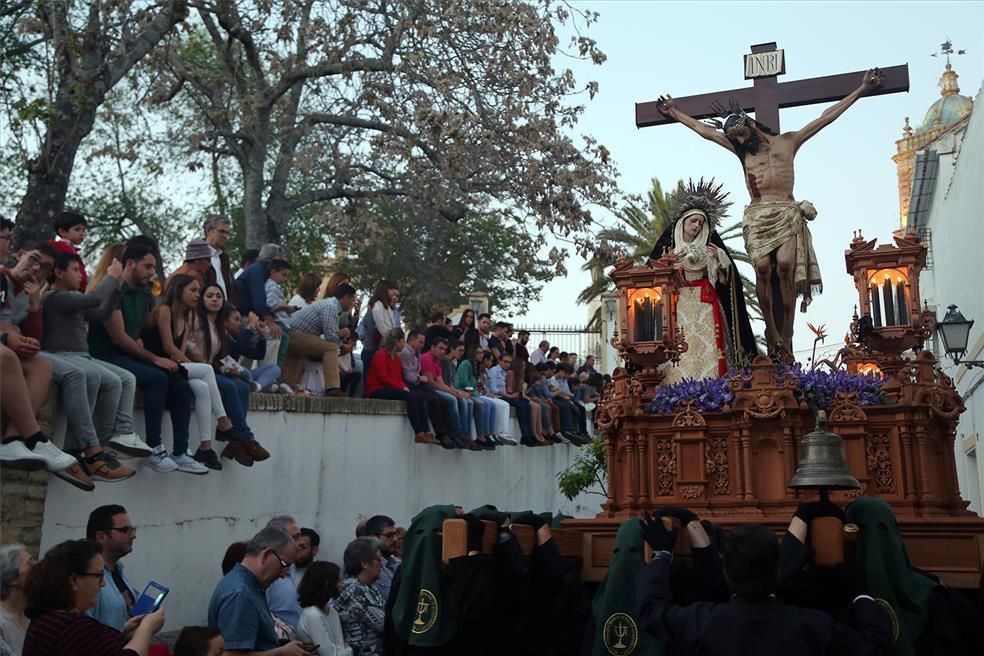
column 307, row 290
column 112, row 252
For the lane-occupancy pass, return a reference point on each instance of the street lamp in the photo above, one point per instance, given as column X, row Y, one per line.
column 611, row 306
column 954, row 329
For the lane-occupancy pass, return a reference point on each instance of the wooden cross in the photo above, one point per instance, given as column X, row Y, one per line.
column 768, row 95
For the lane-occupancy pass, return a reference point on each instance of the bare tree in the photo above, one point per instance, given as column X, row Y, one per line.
column 446, row 104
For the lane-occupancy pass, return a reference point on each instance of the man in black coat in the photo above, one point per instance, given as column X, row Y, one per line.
column 754, row 622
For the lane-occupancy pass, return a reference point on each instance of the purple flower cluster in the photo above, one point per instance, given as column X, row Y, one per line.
column 709, row 395
column 820, row 389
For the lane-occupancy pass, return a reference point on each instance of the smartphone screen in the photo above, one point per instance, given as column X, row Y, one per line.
column 150, row 600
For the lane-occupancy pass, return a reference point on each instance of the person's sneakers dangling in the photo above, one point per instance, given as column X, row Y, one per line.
column 159, row 461
column 131, row 445
column 104, row 466
column 16, row 454
column 75, row 476
column 188, row 465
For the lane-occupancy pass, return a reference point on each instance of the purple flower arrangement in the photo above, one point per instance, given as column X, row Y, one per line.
column 709, row 394
column 820, row 389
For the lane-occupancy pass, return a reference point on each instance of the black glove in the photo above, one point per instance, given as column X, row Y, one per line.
column 531, row 520
column 683, row 514
column 476, row 532
column 714, row 532
column 657, row 535
column 814, row 509
column 495, row 516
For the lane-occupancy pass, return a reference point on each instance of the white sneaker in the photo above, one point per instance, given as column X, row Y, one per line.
column 15, row 454
column 286, row 389
column 255, row 387
column 188, row 465
column 55, row 459
column 131, row 445
column 159, row 461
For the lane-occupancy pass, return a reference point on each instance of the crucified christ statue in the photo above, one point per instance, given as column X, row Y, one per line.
column 774, row 225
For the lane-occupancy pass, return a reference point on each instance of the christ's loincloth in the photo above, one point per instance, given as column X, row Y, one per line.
column 767, row 226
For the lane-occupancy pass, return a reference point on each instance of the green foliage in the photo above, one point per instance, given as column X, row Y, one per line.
column 436, row 263
column 590, row 469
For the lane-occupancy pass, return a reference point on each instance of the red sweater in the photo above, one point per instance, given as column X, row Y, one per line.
column 385, row 371
column 63, row 246
column 61, row 633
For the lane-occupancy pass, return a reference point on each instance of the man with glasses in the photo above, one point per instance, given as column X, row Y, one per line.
column 384, row 528
column 110, row 527
column 238, row 608
column 20, row 331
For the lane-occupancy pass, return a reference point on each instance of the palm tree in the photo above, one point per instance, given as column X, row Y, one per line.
column 637, row 237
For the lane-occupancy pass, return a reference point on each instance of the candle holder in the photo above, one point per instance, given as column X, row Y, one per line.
column 647, row 334
column 891, row 320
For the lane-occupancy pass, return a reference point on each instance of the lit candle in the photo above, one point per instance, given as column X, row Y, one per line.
column 887, row 294
column 903, row 305
column 875, row 306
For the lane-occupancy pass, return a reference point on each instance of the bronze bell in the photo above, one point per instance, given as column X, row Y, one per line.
column 822, row 461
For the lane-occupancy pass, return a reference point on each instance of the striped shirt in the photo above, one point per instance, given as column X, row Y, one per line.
column 63, row 633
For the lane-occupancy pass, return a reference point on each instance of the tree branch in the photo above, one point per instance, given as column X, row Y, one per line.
column 170, row 15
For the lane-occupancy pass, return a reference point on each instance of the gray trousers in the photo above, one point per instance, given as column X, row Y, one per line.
column 97, row 398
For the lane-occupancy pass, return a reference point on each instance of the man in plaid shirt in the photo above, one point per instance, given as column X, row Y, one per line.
column 314, row 333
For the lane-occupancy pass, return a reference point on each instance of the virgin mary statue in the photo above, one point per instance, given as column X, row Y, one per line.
column 710, row 307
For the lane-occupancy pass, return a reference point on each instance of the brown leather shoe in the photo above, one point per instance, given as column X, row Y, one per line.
column 237, row 451
column 255, row 451
column 425, row 438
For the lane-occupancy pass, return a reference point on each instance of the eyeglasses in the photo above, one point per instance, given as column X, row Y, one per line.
column 125, row 530
column 283, row 563
column 387, row 534
column 95, row 575
column 38, row 263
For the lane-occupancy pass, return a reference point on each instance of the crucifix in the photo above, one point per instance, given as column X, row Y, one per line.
column 774, row 224
column 767, row 95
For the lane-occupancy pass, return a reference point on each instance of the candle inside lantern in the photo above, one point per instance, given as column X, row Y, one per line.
column 875, row 306
column 903, row 306
column 888, row 296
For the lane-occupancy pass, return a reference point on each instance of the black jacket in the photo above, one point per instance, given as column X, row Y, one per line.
column 747, row 628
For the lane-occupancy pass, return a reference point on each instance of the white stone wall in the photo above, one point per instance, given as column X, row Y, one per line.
column 958, row 278
column 328, row 470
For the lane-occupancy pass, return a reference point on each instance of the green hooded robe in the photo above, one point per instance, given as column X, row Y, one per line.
column 617, row 632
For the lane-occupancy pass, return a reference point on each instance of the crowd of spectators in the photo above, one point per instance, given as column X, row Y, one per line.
column 197, row 342
column 732, row 592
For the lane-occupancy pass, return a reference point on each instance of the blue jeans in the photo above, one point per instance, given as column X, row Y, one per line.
column 264, row 375
column 484, row 415
column 235, row 399
column 523, row 414
column 160, row 392
column 416, row 407
column 567, row 421
column 461, row 412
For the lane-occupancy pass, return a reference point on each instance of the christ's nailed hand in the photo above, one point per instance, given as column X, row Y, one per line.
column 873, row 79
column 666, row 104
